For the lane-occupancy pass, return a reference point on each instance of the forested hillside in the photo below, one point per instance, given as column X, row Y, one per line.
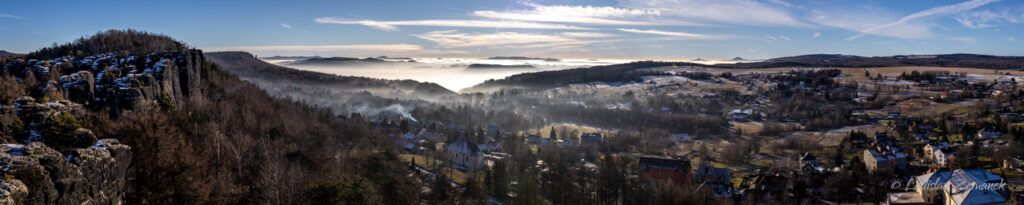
column 224, row 141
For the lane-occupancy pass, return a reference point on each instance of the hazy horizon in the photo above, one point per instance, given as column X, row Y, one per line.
column 623, row 29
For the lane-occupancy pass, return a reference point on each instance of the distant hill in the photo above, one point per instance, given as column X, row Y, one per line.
column 849, row 61
column 738, row 59
column 496, row 66
column 633, row 71
column 627, row 72
column 3, row 52
column 287, row 57
column 6, row 54
column 246, row 66
column 520, row 58
column 335, row 61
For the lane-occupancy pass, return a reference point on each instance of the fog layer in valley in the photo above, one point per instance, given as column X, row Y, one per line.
column 451, row 73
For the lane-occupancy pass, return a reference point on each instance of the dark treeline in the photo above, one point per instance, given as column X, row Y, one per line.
column 844, row 61
column 119, row 42
column 917, row 76
column 627, row 72
column 635, row 119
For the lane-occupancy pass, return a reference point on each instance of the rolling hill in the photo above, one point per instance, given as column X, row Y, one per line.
column 248, row 67
column 632, row 71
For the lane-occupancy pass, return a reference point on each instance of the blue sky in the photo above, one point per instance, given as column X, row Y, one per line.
column 631, row 29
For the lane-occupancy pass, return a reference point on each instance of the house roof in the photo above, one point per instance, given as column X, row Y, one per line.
column 712, row 174
column 883, row 155
column 934, row 179
column 946, row 151
column 964, row 187
column 906, row 198
column 681, row 166
column 937, row 146
column 465, row 147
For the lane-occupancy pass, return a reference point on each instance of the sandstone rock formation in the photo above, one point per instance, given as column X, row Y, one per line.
column 37, row 174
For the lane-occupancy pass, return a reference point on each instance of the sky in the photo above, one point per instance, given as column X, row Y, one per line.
column 614, row 29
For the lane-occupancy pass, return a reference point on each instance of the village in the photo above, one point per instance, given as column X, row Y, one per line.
column 903, row 137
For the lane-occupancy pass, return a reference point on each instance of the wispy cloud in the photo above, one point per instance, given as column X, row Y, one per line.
column 350, row 50
column 785, row 38
column 1011, row 39
column 988, row 18
column 286, row 26
column 861, row 19
column 783, row 3
column 672, row 33
column 577, row 14
column 11, row 16
column 393, row 25
column 932, row 12
column 455, row 39
column 739, row 12
column 963, row 39
column 587, row 34
column 771, row 38
column 397, row 47
column 816, row 34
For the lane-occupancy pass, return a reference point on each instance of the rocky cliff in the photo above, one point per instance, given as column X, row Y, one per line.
column 48, row 157
column 37, row 174
column 121, row 82
column 57, row 162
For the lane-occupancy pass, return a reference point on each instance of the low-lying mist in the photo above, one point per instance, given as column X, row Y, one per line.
column 453, row 74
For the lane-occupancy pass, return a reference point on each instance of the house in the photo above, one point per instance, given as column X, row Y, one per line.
column 712, row 175
column 564, row 144
column 764, row 185
column 678, row 171
column 927, row 189
column 884, row 157
column 465, row 155
column 427, row 135
column 717, row 179
column 929, row 149
column 952, row 187
column 943, row 157
column 588, row 138
column 905, row 198
column 989, row 133
column 1014, row 164
column 929, row 185
column 491, row 146
column 808, row 158
column 740, row 114
column 975, row 186
column 808, row 163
